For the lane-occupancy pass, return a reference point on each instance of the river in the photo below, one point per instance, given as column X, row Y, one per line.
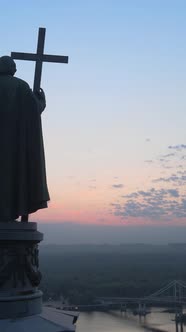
column 114, row 321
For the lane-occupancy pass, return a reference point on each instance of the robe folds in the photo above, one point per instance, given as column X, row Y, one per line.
column 23, row 186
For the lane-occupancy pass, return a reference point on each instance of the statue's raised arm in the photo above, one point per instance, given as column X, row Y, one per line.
column 41, row 99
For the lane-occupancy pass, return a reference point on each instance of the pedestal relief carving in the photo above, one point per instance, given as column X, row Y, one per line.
column 19, row 269
column 19, row 263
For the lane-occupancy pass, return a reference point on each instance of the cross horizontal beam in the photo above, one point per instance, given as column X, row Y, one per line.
column 43, row 57
column 39, row 57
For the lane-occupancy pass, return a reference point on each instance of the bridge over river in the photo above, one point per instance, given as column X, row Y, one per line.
column 173, row 294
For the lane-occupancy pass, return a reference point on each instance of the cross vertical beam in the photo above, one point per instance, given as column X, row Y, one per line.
column 39, row 63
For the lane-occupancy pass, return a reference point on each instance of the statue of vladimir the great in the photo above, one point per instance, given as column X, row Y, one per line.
column 23, row 186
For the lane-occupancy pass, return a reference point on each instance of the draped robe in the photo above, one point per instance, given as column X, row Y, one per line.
column 23, row 185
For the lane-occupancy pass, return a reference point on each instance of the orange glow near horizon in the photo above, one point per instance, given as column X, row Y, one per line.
column 90, row 201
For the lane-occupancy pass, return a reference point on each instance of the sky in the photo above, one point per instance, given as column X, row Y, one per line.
column 114, row 126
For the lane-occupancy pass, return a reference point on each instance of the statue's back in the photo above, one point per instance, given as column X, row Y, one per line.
column 23, row 187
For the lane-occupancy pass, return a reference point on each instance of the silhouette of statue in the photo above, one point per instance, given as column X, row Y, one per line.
column 23, row 186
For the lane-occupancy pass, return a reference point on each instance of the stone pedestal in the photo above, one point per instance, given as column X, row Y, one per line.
column 19, row 270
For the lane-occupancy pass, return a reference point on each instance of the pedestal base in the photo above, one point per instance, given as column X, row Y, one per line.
column 50, row 320
column 20, row 306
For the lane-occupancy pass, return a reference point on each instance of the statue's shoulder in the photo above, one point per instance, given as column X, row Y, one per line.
column 21, row 83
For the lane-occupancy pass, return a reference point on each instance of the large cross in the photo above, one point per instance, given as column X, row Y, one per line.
column 39, row 58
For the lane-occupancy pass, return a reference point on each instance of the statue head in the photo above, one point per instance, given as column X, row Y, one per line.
column 7, row 65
